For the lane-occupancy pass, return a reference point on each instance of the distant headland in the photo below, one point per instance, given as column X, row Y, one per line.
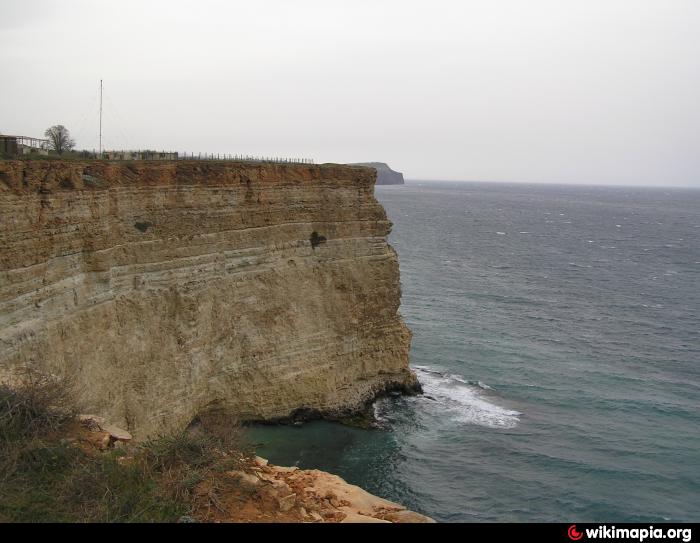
column 385, row 175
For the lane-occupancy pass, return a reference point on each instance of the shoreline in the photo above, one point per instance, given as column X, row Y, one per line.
column 361, row 416
column 252, row 489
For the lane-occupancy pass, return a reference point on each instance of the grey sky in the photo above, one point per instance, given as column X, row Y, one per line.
column 604, row 91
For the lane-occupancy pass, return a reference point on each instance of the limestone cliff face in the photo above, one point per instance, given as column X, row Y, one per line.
column 168, row 289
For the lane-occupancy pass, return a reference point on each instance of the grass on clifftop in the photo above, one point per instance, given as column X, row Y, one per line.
column 49, row 475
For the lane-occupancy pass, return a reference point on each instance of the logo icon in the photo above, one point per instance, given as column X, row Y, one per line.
column 573, row 534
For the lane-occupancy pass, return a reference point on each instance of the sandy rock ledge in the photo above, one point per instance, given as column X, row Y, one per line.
column 285, row 494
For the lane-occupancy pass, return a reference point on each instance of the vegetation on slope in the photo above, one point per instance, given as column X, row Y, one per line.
column 51, row 471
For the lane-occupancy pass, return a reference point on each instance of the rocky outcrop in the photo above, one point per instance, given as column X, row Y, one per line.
column 166, row 289
column 289, row 494
column 385, row 175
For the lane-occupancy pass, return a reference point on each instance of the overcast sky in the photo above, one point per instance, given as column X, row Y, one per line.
column 599, row 91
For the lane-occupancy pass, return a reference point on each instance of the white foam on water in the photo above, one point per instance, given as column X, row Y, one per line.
column 501, row 233
column 461, row 379
column 466, row 401
column 379, row 412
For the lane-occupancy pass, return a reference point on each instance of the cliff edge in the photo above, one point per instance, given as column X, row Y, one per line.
column 167, row 289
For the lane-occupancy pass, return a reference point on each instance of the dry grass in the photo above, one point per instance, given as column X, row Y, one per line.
column 45, row 477
column 36, row 405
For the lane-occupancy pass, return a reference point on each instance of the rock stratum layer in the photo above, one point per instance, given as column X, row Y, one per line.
column 168, row 289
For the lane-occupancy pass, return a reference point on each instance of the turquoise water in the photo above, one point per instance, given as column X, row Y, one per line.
column 557, row 337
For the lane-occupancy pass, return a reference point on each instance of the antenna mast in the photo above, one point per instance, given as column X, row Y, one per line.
column 100, row 118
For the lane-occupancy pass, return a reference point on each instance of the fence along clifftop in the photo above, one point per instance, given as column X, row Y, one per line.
column 168, row 155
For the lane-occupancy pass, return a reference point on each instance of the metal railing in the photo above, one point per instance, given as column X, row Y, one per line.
column 244, row 158
column 167, row 155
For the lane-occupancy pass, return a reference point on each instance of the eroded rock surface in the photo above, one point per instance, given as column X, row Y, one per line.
column 284, row 494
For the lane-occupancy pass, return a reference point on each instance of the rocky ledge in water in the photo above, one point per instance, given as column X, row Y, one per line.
column 362, row 416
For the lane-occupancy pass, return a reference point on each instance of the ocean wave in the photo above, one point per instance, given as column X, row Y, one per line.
column 465, row 401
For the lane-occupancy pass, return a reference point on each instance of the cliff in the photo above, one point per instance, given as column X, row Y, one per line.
column 385, row 175
column 167, row 289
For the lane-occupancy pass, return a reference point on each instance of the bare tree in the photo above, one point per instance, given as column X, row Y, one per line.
column 59, row 138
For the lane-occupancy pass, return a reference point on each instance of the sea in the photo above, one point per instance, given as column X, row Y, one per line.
column 557, row 338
